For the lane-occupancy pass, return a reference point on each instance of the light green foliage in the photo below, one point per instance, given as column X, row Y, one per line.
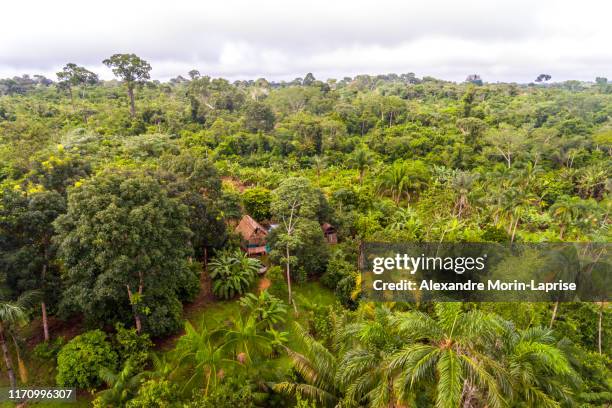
column 79, row 362
column 267, row 309
column 232, row 273
column 156, row 394
column 257, row 203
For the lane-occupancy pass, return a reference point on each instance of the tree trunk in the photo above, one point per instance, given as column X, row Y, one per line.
column 554, row 315
column 288, row 274
column 45, row 322
column 132, row 104
column 599, row 327
column 137, row 321
column 7, row 358
column 514, row 229
column 71, row 98
column 43, row 305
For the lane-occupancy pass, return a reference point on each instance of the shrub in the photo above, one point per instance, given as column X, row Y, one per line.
column 156, row 394
column 80, row 360
column 232, row 273
column 48, row 350
column 278, row 284
column 257, row 202
column 132, row 346
column 233, row 392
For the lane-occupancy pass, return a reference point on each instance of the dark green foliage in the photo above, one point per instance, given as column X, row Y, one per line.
column 79, row 362
column 258, row 117
column 132, row 348
column 48, row 350
column 122, row 231
column 399, row 158
column 233, row 392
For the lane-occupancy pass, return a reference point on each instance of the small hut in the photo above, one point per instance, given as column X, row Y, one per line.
column 329, row 232
column 253, row 236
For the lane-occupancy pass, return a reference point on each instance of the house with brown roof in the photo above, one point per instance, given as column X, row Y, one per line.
column 329, row 232
column 253, row 236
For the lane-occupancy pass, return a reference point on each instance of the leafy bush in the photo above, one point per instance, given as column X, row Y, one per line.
column 234, row 392
column 278, row 285
column 164, row 314
column 156, row 394
column 132, row 347
column 48, row 350
column 80, row 360
column 257, row 202
column 233, row 273
column 337, row 269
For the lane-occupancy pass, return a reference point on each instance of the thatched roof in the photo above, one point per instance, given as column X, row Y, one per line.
column 247, row 227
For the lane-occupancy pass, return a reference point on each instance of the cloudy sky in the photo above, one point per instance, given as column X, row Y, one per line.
column 500, row 40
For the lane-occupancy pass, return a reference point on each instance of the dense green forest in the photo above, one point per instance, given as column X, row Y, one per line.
column 122, row 273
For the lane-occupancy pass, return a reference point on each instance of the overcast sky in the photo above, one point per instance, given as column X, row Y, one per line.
column 500, row 40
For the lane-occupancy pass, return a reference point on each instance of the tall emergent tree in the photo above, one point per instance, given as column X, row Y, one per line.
column 132, row 70
column 72, row 76
column 125, row 244
column 298, row 207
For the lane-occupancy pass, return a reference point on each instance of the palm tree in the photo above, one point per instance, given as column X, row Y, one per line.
column 318, row 163
column 462, row 184
column 317, row 366
column 450, row 348
column 363, row 370
column 13, row 314
column 197, row 349
column 245, row 339
column 395, row 182
column 362, row 160
column 267, row 309
column 402, row 179
column 592, row 181
column 122, row 386
column 538, row 371
column 566, row 210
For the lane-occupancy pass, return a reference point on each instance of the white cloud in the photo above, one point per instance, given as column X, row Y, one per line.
column 501, row 40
